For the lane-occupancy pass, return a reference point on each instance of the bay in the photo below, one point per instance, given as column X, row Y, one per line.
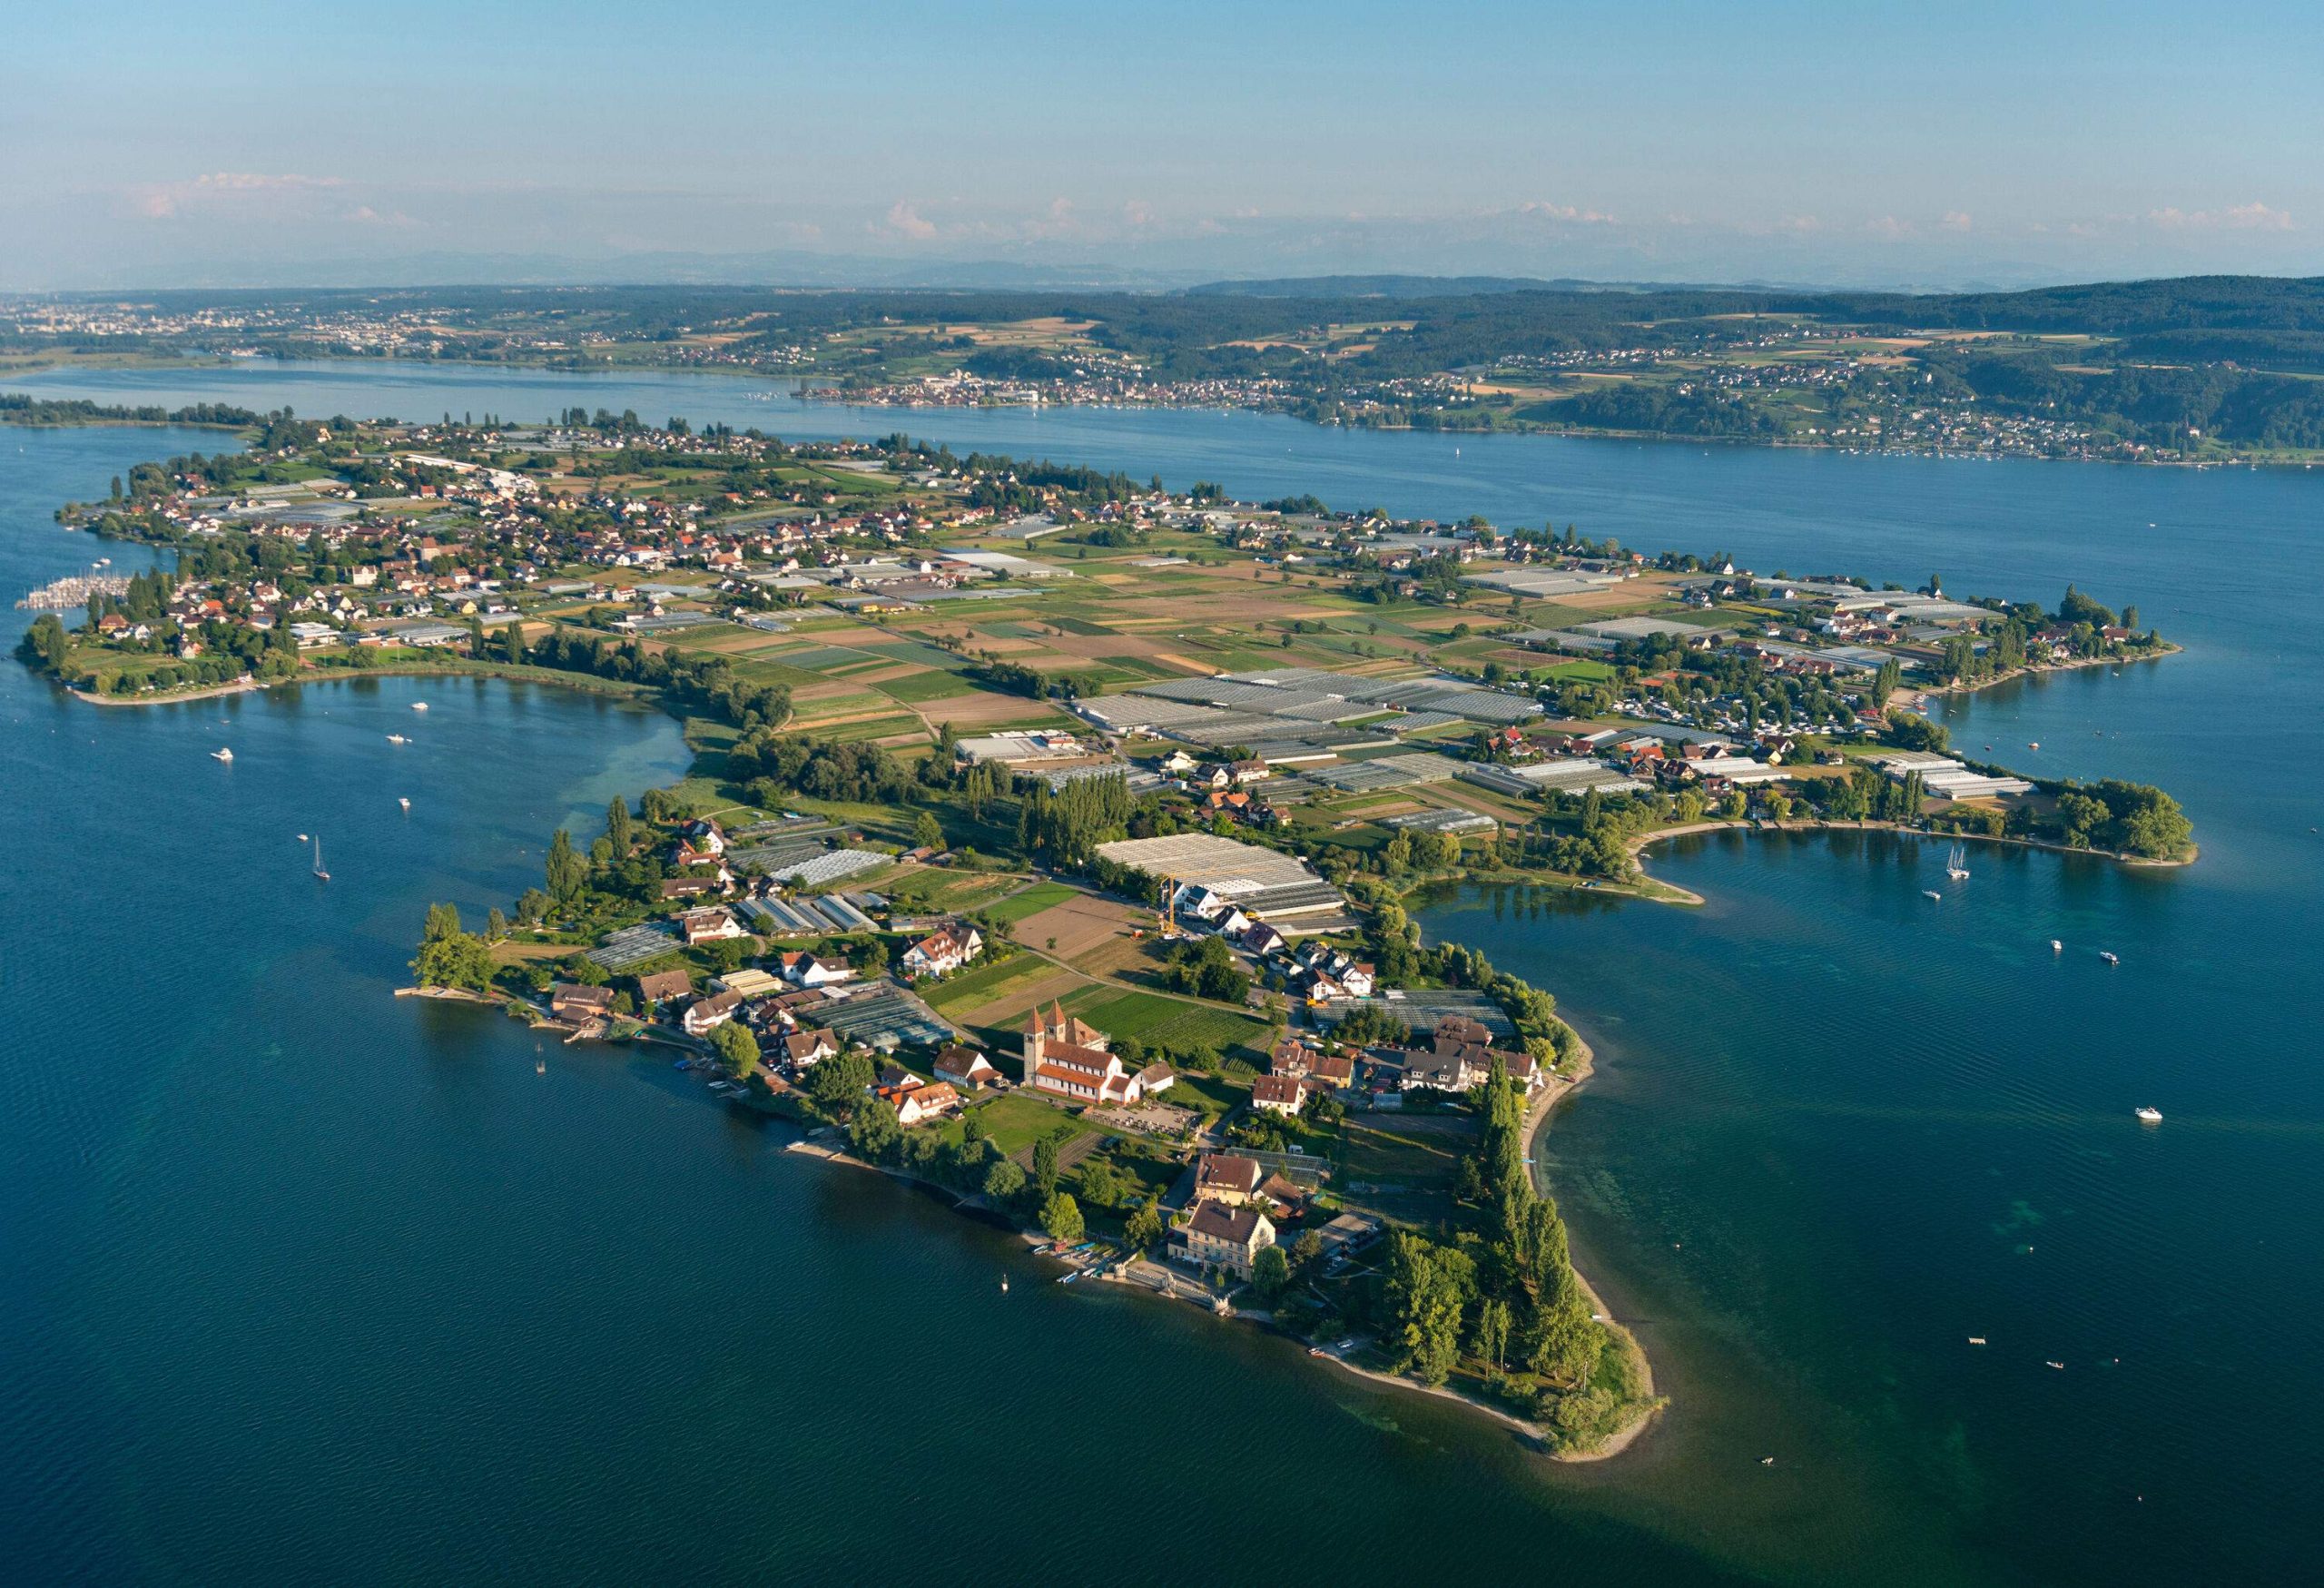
column 304, row 1271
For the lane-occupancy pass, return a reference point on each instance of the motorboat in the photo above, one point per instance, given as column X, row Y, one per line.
column 419, row 706
column 2056, row 947
column 2110, row 956
column 2150, row 1115
column 1932, row 894
column 222, row 754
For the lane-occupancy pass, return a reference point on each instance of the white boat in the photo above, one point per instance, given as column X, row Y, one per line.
column 2056, row 947
column 405, row 801
column 222, row 754
column 1976, row 1339
column 2150, row 1115
column 398, row 739
column 1932, row 894
column 1956, row 864
column 321, row 875
column 2110, row 956
column 419, row 706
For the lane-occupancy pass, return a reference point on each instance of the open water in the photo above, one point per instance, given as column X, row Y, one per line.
column 299, row 1282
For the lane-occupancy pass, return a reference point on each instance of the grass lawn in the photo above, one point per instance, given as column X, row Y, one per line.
column 1016, row 1121
column 1423, row 1153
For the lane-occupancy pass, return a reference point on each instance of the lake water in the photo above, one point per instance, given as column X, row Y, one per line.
column 303, row 1281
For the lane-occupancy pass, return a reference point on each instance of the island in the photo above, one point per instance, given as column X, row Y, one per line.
column 1052, row 837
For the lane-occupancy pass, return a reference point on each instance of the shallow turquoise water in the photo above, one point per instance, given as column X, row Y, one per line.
column 303, row 1281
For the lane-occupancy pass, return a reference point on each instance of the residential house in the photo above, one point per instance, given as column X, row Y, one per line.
column 713, row 924
column 803, row 1049
column 663, row 987
column 943, row 952
column 919, row 1104
column 965, row 1067
column 1277, row 1192
column 1261, row 939
column 1291, row 1057
column 1276, row 1094
column 1227, row 1177
column 570, row 1001
column 1221, row 1236
column 707, row 1013
column 803, row 969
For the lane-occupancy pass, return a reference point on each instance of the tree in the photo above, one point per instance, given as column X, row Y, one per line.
column 567, row 871
column 1143, row 1227
column 1492, row 1332
column 618, row 827
column 926, row 834
column 738, row 1050
column 1307, row 1251
column 1061, row 1218
column 1428, row 1287
column 872, row 1129
column 450, row 957
column 1270, row 1272
column 838, row 1080
column 1045, row 1168
column 1004, row 1180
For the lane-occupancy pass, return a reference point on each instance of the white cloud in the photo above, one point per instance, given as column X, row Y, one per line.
column 1955, row 221
column 1889, row 227
column 1570, row 214
column 905, row 222
column 159, row 200
column 2251, row 217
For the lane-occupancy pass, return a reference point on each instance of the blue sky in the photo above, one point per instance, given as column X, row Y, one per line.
column 153, row 143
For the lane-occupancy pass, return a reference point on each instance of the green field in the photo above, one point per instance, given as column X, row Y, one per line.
column 1040, row 897
column 932, row 685
column 1168, row 1022
column 982, row 984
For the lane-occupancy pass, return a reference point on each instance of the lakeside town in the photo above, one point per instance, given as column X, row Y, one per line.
column 1050, row 837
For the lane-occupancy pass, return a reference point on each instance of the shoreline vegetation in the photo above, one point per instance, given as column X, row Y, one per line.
column 884, row 688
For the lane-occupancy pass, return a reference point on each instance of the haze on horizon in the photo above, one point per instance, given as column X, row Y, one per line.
column 145, row 145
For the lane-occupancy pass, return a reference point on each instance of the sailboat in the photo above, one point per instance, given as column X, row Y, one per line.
column 321, row 875
column 1956, row 864
column 222, row 754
